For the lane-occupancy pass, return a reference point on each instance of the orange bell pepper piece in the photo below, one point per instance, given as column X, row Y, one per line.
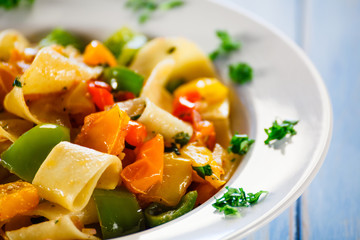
column 205, row 192
column 105, row 131
column 148, row 168
column 96, row 53
column 17, row 198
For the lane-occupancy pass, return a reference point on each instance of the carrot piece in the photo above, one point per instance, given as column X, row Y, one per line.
column 105, row 131
column 17, row 198
column 96, row 53
column 148, row 168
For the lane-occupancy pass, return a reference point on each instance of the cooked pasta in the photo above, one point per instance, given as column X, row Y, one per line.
column 102, row 139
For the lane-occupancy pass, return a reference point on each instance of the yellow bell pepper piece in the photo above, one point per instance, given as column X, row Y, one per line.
column 211, row 89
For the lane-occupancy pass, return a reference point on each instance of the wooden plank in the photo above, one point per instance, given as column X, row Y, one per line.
column 283, row 14
column 332, row 40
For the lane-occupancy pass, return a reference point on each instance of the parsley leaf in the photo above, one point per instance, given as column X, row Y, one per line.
column 234, row 198
column 172, row 148
column 182, row 138
column 17, row 83
column 279, row 131
column 240, row 72
column 171, row 4
column 240, row 144
column 147, row 7
column 10, row 4
column 227, row 45
column 203, row 170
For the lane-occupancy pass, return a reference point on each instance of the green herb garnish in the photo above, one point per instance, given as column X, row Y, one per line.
column 172, row 148
column 10, row 4
column 279, row 131
column 227, row 45
column 240, row 144
column 61, row 37
column 240, row 72
column 203, row 171
column 182, row 138
column 147, row 7
column 235, row 198
column 17, row 83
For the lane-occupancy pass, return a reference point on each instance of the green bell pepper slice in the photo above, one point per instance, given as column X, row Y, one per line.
column 25, row 156
column 157, row 214
column 116, row 42
column 130, row 49
column 124, row 79
column 64, row 38
column 119, row 212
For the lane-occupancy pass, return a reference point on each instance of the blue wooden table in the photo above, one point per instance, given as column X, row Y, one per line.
column 329, row 33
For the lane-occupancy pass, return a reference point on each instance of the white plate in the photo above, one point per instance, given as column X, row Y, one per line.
column 286, row 86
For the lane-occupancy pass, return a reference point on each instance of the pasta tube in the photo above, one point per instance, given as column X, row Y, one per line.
column 158, row 120
column 70, row 173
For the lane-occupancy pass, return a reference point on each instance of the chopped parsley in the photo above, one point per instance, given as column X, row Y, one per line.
column 17, row 83
column 240, row 144
column 226, row 46
column 172, row 148
column 171, row 50
column 240, row 72
column 56, row 221
column 203, row 171
column 182, row 138
column 235, row 198
column 135, row 117
column 147, row 7
column 279, row 131
column 10, row 4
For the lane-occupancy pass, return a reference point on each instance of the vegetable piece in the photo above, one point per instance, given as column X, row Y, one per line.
column 182, row 138
column 203, row 171
column 96, row 53
column 240, row 73
column 17, row 198
column 124, row 79
column 236, row 198
column 147, row 170
column 185, row 104
column 105, row 131
column 130, row 49
column 157, row 214
column 10, row 4
column 176, row 179
column 227, row 45
column 279, row 131
column 116, row 42
column 211, row 89
column 119, row 212
column 28, row 152
column 62, row 37
column 200, row 157
column 205, row 191
column 240, row 144
column 204, row 133
column 136, row 133
column 100, row 94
